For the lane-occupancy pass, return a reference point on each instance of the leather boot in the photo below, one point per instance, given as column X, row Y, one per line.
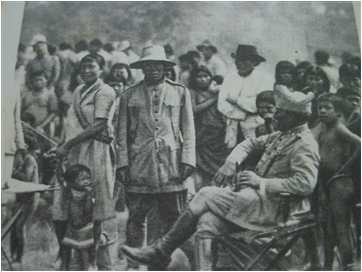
column 203, row 254
column 159, row 253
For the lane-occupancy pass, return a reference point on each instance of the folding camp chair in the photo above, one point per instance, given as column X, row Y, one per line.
column 252, row 250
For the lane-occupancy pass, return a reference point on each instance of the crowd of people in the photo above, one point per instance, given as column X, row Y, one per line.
column 163, row 137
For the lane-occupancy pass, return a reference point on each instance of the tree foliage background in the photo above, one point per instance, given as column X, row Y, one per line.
column 280, row 30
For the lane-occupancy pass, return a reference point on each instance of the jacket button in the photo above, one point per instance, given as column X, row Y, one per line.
column 156, row 120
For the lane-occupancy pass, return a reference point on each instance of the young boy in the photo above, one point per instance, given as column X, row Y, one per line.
column 80, row 231
column 40, row 102
column 27, row 171
column 336, row 145
column 265, row 105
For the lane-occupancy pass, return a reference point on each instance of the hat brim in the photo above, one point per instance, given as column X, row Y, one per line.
column 140, row 63
column 254, row 57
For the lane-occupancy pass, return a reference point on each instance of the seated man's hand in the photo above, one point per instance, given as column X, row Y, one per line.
column 122, row 175
column 249, row 178
column 226, row 170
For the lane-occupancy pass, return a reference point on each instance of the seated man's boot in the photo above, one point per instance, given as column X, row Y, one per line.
column 203, row 253
column 159, row 253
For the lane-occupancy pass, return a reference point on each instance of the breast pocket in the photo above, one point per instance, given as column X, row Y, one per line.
column 173, row 108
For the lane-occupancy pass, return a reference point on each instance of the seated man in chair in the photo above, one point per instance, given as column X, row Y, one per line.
column 289, row 164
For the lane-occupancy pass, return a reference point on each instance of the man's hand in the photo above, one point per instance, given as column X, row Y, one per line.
column 122, row 175
column 186, row 171
column 249, row 178
column 226, row 170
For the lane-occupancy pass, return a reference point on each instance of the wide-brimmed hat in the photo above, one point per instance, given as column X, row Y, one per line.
column 246, row 52
column 293, row 101
column 38, row 38
column 206, row 44
column 152, row 53
column 124, row 45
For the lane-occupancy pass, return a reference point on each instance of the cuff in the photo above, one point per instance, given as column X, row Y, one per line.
column 262, row 187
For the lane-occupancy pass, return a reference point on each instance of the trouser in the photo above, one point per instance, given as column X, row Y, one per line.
column 210, row 204
column 168, row 207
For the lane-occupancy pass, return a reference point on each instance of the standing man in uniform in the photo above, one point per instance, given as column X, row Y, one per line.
column 155, row 145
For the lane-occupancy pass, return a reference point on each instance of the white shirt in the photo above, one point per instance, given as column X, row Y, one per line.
column 244, row 91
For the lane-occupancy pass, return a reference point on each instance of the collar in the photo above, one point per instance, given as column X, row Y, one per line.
column 85, row 93
column 158, row 87
column 296, row 130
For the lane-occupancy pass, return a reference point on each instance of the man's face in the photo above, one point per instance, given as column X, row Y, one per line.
column 207, row 53
column 41, row 48
column 93, row 49
column 244, row 67
column 327, row 113
column 285, row 120
column 39, row 83
column 266, row 110
column 154, row 72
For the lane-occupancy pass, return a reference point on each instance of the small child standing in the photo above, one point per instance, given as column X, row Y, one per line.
column 265, row 105
column 80, row 232
column 26, row 171
column 336, row 145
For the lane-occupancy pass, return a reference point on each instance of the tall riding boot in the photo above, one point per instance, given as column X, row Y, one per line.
column 203, row 253
column 160, row 252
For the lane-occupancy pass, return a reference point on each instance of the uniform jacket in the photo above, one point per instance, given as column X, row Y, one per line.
column 290, row 164
column 152, row 140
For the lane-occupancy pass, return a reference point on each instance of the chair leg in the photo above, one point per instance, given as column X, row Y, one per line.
column 6, row 258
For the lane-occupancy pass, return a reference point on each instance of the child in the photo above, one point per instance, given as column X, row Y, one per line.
column 265, row 105
column 316, row 81
column 285, row 74
column 40, row 102
column 301, row 68
column 336, row 144
column 80, row 232
column 27, row 171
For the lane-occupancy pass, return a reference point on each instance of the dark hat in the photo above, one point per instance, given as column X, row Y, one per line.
column 206, row 44
column 285, row 66
column 245, row 52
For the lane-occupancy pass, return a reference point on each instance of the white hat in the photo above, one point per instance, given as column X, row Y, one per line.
column 124, row 45
column 293, row 101
column 38, row 38
column 154, row 53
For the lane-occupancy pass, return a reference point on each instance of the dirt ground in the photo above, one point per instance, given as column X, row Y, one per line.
column 41, row 247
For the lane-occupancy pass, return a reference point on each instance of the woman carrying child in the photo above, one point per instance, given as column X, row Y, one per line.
column 211, row 151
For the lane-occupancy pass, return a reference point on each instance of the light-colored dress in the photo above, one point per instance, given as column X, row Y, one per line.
column 95, row 102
